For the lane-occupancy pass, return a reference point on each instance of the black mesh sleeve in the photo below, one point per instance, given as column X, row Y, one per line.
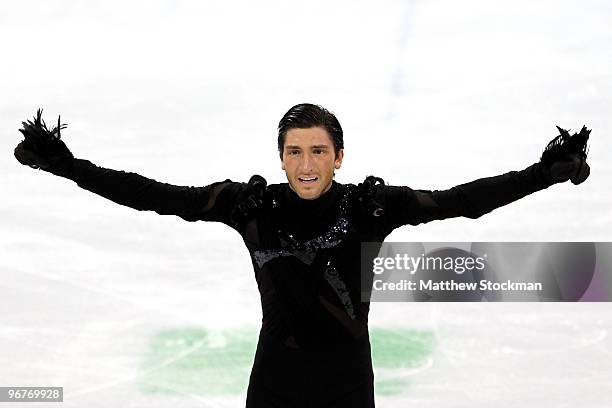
column 472, row 200
column 210, row 203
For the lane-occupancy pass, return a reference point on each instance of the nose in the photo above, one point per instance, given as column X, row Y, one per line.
column 307, row 163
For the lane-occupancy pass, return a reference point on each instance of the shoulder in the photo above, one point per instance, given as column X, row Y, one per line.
column 276, row 188
column 377, row 198
column 250, row 198
column 366, row 196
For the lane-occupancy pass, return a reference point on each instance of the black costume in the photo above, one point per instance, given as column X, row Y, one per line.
column 313, row 349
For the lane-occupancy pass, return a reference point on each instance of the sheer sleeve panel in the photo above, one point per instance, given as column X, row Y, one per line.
column 210, row 203
column 471, row 200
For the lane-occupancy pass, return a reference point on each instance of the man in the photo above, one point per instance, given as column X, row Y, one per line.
column 304, row 239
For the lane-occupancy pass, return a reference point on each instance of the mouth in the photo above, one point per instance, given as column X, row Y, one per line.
column 308, row 180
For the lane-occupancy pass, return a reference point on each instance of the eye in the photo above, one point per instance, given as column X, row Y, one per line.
column 293, row 152
column 318, row 151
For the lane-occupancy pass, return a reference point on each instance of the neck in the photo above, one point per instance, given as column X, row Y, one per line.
column 313, row 198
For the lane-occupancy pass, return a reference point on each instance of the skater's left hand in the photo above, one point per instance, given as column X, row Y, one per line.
column 565, row 157
column 571, row 167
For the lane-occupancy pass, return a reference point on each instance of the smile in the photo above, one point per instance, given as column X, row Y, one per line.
column 308, row 179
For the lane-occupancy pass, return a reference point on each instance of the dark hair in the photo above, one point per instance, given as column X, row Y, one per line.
column 307, row 115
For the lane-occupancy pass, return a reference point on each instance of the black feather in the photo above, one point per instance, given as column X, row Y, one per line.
column 565, row 144
column 45, row 142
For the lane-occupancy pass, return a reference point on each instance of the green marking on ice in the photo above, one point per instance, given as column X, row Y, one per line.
column 206, row 362
column 391, row 386
column 199, row 361
column 400, row 348
column 397, row 349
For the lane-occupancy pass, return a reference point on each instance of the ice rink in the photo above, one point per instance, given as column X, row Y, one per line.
column 132, row 309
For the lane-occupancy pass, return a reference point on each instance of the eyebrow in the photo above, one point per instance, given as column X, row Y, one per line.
column 312, row 147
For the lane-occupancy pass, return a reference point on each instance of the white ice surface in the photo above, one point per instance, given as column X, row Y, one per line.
column 430, row 95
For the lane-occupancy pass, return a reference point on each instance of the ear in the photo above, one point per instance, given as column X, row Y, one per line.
column 338, row 161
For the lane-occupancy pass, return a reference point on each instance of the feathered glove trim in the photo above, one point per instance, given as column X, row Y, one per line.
column 565, row 156
column 42, row 147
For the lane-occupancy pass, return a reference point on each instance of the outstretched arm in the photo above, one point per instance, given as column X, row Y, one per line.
column 563, row 160
column 145, row 194
column 42, row 148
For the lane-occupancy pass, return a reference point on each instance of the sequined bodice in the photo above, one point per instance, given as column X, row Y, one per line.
column 306, row 260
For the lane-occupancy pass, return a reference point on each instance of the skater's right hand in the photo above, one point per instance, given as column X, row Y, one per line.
column 29, row 158
column 43, row 149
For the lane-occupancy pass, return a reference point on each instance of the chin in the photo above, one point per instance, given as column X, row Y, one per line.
column 309, row 195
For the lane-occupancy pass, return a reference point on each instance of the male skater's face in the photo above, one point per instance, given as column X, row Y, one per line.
column 309, row 161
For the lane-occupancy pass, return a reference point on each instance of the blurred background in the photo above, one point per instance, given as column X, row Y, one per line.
column 136, row 309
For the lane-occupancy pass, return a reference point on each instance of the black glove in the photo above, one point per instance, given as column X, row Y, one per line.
column 43, row 149
column 565, row 157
